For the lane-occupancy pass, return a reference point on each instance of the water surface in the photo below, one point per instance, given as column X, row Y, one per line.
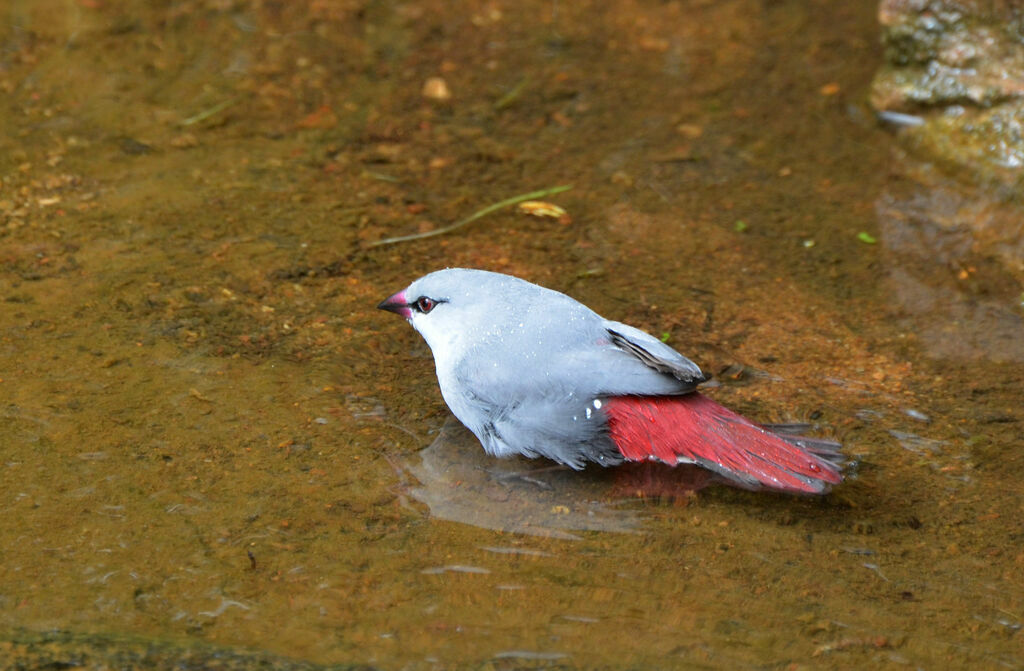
column 210, row 438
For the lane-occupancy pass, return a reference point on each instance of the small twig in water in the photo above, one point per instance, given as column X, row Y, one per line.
column 380, row 176
column 510, row 97
column 533, row 195
column 206, row 114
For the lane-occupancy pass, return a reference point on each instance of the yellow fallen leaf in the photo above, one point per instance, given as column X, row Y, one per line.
column 538, row 208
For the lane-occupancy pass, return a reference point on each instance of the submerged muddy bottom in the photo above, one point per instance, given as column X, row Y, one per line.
column 213, row 446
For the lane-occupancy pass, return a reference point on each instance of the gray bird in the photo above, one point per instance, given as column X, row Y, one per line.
column 534, row 372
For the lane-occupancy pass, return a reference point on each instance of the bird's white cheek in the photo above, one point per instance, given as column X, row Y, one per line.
column 445, row 347
column 441, row 341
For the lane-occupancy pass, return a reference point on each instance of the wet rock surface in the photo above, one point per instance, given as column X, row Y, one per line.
column 954, row 79
column 949, row 51
column 953, row 89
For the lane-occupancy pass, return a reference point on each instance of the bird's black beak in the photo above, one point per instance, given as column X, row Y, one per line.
column 396, row 303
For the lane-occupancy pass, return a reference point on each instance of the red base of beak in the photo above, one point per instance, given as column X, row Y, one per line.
column 396, row 303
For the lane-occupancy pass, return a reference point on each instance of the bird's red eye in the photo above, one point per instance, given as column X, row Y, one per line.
column 424, row 304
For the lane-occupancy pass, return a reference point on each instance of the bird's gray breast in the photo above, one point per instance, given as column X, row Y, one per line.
column 537, row 398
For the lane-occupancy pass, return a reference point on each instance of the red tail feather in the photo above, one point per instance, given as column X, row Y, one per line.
column 695, row 429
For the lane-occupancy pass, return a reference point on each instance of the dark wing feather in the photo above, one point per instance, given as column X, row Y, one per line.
column 657, row 355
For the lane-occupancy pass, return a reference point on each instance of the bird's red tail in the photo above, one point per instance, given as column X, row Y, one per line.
column 695, row 429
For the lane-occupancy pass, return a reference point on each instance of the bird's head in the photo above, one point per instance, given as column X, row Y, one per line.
column 454, row 308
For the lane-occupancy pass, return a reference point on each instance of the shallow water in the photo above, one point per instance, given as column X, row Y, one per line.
column 210, row 437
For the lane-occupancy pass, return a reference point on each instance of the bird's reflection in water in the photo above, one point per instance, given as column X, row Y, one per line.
column 461, row 483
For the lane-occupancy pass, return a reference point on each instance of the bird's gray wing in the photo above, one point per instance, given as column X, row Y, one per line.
column 654, row 353
column 596, row 358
